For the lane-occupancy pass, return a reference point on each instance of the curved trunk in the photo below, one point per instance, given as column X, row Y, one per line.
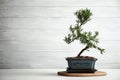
column 82, row 51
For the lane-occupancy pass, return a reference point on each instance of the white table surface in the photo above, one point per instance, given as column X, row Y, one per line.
column 51, row 74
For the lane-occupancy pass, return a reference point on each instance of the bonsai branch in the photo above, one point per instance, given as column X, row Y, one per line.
column 82, row 51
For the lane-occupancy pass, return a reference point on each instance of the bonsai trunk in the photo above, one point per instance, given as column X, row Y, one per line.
column 82, row 51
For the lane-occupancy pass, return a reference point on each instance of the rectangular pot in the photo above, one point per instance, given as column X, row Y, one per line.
column 81, row 63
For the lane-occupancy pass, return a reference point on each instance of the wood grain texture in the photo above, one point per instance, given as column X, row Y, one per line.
column 32, row 32
column 64, row 12
column 97, row 73
column 63, row 3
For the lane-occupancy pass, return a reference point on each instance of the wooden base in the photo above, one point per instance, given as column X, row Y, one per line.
column 97, row 73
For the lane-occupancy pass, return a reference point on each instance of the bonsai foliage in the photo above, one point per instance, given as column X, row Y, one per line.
column 76, row 32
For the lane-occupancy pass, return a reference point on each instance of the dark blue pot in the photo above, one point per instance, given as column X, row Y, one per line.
column 81, row 63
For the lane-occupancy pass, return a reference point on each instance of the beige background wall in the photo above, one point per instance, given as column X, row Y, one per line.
column 32, row 32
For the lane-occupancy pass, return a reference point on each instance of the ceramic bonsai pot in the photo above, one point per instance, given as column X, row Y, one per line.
column 83, row 64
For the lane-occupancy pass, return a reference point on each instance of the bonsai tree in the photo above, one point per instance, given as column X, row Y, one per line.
column 89, row 39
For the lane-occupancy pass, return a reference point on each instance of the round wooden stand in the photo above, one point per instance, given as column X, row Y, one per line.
column 97, row 73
